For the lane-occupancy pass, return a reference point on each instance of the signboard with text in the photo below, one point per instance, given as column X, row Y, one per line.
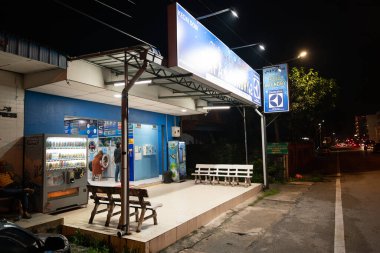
column 277, row 148
column 193, row 48
column 275, row 89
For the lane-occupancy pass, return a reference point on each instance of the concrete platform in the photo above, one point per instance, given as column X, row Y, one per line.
column 186, row 207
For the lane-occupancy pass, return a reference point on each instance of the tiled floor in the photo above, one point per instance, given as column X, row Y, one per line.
column 181, row 203
column 186, row 207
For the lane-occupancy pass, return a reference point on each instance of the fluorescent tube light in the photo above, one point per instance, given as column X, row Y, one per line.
column 216, row 107
column 117, row 95
column 117, row 84
column 144, row 82
column 183, row 110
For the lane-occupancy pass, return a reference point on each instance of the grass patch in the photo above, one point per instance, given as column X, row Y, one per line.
column 81, row 243
column 91, row 245
column 265, row 194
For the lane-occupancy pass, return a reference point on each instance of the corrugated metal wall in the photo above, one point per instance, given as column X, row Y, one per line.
column 31, row 50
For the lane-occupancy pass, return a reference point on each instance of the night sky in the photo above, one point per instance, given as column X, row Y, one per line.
column 341, row 37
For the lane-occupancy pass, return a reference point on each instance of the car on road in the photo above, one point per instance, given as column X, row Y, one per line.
column 368, row 145
column 376, row 148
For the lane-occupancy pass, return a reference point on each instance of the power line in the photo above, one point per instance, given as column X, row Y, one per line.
column 103, row 23
column 112, row 8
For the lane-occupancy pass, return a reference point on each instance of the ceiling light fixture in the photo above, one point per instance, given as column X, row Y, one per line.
column 117, row 84
column 216, row 107
column 117, row 95
column 144, row 82
column 183, row 110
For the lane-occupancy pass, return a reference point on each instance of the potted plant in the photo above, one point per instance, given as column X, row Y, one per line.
column 167, row 176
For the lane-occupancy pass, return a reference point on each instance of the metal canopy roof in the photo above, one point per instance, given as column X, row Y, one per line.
column 182, row 85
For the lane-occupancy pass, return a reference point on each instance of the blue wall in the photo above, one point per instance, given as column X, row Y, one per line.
column 148, row 165
column 45, row 114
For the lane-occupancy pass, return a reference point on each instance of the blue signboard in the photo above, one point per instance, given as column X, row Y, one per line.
column 81, row 127
column 108, row 128
column 275, row 89
column 209, row 59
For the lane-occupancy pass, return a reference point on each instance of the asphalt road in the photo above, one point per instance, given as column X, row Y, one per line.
column 303, row 218
column 361, row 200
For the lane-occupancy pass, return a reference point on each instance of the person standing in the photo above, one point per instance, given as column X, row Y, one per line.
column 97, row 168
column 117, row 159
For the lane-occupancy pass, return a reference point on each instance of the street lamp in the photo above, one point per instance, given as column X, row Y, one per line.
column 302, row 54
column 261, row 46
column 234, row 13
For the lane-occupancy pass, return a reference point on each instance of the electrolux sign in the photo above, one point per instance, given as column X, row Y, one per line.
column 275, row 89
column 204, row 55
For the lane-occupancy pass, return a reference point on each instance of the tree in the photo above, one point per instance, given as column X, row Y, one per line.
column 311, row 97
column 310, row 92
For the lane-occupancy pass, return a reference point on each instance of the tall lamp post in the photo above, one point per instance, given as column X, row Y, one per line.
column 263, row 122
column 261, row 46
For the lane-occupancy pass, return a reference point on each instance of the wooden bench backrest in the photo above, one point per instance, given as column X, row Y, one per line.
column 140, row 194
column 137, row 192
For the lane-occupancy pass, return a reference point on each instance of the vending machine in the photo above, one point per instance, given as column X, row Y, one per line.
column 177, row 160
column 56, row 166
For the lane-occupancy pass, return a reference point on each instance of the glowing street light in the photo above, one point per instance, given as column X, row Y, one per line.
column 233, row 12
column 302, row 54
column 261, row 46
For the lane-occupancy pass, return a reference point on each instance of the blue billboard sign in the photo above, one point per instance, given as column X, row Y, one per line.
column 275, row 89
column 195, row 49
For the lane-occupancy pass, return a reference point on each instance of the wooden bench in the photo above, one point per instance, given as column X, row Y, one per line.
column 229, row 173
column 110, row 196
column 140, row 203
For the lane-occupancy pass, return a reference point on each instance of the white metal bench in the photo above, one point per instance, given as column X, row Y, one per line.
column 228, row 173
column 201, row 170
column 223, row 173
column 244, row 171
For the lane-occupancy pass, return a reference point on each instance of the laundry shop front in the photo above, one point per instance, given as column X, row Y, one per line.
column 85, row 100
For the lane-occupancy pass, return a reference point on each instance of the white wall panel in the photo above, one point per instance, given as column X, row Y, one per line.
column 12, row 129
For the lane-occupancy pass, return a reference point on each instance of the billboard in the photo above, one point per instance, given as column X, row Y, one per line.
column 195, row 49
column 275, row 89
